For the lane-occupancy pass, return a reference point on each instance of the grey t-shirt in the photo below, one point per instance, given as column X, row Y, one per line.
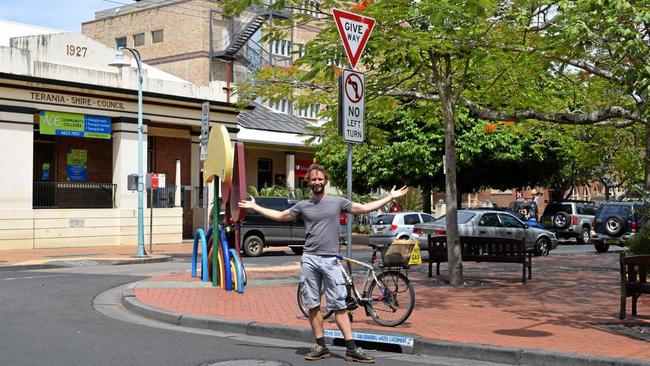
column 321, row 223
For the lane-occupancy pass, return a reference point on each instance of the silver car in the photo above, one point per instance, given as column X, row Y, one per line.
column 396, row 225
column 491, row 224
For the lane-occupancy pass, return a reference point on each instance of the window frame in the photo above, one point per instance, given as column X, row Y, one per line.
column 162, row 36
column 135, row 44
column 117, row 42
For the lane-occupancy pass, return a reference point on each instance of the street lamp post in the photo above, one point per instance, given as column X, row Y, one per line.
column 120, row 61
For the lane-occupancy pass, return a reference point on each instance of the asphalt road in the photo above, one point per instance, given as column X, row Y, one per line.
column 55, row 317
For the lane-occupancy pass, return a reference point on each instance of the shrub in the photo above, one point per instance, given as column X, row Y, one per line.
column 361, row 228
column 640, row 243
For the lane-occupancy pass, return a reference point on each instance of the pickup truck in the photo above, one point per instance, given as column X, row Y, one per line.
column 258, row 232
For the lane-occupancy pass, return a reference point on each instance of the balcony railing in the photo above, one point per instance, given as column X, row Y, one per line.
column 73, row 195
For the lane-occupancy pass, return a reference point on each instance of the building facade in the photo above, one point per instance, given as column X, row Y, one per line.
column 68, row 136
column 194, row 40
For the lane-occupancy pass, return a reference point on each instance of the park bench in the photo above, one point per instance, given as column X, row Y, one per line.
column 634, row 280
column 483, row 249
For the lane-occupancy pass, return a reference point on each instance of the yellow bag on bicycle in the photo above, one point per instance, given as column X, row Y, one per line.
column 402, row 253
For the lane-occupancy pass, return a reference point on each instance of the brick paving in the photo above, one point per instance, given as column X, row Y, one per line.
column 559, row 309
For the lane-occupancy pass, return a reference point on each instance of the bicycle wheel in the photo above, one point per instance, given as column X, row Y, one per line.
column 395, row 304
column 323, row 304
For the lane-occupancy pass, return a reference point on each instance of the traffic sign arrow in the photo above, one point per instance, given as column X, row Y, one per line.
column 354, row 30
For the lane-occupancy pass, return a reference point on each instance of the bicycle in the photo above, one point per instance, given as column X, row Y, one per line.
column 389, row 293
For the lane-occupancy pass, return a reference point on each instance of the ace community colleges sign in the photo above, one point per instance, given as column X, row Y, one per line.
column 75, row 125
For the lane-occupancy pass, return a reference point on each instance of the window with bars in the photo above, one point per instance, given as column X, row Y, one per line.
column 299, row 50
column 282, row 106
column 310, row 8
column 281, row 47
column 310, row 112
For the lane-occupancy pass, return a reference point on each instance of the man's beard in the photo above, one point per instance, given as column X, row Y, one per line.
column 317, row 188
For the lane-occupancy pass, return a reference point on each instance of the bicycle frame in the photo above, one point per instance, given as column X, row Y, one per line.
column 370, row 275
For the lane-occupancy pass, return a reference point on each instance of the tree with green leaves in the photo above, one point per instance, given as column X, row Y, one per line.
column 515, row 60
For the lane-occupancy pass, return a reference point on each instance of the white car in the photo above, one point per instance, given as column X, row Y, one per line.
column 397, row 225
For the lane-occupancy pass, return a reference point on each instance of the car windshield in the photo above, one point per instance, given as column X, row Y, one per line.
column 554, row 208
column 611, row 210
column 463, row 218
column 384, row 220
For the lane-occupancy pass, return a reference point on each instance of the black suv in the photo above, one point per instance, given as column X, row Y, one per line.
column 570, row 219
column 258, row 232
column 614, row 223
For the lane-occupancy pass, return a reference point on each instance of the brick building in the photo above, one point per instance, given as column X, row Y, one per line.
column 193, row 40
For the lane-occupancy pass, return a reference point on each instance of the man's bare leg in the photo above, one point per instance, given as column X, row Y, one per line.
column 316, row 322
column 343, row 322
column 320, row 351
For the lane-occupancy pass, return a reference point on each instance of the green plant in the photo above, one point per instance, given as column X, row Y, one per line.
column 279, row 191
column 361, row 228
column 640, row 243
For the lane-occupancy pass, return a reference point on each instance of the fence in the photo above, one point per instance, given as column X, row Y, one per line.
column 73, row 195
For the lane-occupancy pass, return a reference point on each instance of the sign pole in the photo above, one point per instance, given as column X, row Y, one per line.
column 150, row 220
column 349, row 215
column 216, row 238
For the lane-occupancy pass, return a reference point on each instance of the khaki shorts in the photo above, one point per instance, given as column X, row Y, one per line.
column 322, row 272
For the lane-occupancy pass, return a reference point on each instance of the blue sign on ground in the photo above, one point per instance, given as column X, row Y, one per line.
column 372, row 337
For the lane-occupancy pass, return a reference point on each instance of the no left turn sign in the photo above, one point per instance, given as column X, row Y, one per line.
column 352, row 105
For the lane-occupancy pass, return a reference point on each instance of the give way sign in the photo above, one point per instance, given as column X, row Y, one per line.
column 354, row 30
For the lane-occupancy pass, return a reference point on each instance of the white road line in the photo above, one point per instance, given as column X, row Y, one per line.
column 28, row 277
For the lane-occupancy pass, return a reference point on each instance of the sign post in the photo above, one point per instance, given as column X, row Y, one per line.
column 354, row 30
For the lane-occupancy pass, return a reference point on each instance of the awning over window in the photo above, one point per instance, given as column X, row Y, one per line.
column 301, row 167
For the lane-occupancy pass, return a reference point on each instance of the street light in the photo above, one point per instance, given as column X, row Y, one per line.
column 120, row 61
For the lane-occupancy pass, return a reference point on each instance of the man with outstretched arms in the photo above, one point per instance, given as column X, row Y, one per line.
column 319, row 265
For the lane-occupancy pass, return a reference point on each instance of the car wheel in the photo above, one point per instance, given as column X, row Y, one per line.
column 403, row 237
column 297, row 250
column 253, row 246
column 561, row 220
column 601, row 247
column 585, row 236
column 614, row 225
column 542, row 247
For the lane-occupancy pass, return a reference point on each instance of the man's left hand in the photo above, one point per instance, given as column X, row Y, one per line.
column 396, row 193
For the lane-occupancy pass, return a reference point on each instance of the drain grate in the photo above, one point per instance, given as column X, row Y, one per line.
column 250, row 362
column 635, row 330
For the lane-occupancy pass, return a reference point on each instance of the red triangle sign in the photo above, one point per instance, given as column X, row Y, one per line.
column 354, row 30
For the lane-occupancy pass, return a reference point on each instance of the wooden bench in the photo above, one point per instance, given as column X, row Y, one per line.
column 634, row 280
column 483, row 249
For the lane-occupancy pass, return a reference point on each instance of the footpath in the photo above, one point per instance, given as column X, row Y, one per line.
column 566, row 315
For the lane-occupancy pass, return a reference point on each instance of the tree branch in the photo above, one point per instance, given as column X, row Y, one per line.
column 588, row 118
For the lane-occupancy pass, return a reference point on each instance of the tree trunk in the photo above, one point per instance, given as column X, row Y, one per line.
column 647, row 158
column 455, row 263
column 426, row 199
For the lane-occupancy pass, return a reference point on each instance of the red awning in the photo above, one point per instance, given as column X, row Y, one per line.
column 301, row 167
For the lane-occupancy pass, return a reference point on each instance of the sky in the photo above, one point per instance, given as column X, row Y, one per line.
column 64, row 15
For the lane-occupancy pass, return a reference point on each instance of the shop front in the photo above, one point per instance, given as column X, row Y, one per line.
column 67, row 149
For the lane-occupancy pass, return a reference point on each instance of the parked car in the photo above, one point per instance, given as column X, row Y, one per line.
column 258, row 232
column 491, row 224
column 528, row 221
column 570, row 219
column 396, row 225
column 614, row 223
